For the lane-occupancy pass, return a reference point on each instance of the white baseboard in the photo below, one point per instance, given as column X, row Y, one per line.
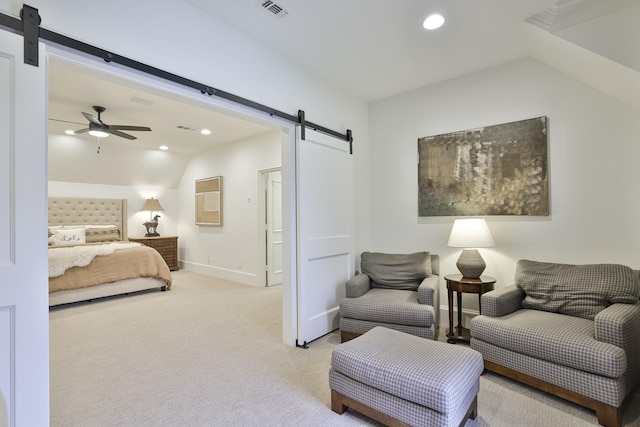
column 467, row 315
column 221, row 273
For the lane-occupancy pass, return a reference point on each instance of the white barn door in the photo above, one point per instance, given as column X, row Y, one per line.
column 24, row 304
column 325, row 209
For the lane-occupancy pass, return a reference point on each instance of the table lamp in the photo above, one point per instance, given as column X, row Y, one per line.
column 470, row 233
column 152, row 205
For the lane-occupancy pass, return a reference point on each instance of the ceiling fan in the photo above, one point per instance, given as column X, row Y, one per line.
column 100, row 129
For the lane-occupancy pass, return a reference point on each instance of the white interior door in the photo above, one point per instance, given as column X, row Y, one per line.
column 24, row 314
column 274, row 228
column 325, row 209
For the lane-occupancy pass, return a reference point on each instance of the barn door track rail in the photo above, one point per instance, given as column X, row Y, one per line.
column 29, row 26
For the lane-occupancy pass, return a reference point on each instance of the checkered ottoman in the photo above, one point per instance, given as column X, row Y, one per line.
column 400, row 379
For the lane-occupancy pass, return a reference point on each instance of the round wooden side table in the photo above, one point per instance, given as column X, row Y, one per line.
column 457, row 283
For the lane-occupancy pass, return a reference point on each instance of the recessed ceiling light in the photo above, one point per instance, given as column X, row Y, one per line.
column 163, row 147
column 433, row 22
column 69, row 132
column 205, row 132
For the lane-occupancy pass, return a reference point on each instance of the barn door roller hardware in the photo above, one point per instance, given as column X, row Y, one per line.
column 30, row 29
column 304, row 123
column 29, row 26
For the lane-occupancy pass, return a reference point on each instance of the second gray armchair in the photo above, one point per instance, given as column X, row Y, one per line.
column 396, row 291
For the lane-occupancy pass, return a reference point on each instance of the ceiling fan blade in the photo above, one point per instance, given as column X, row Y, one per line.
column 125, row 127
column 65, row 121
column 92, row 119
column 121, row 134
column 81, row 131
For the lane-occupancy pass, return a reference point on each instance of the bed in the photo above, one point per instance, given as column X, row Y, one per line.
column 90, row 256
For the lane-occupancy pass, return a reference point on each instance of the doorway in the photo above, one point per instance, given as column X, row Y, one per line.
column 287, row 181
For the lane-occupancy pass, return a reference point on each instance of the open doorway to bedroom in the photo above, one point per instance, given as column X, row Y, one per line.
column 240, row 144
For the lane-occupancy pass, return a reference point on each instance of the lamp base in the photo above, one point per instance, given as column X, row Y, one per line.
column 470, row 264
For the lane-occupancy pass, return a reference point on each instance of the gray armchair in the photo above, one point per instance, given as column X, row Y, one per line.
column 399, row 292
column 570, row 330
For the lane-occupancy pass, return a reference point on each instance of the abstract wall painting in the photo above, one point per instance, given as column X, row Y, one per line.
column 494, row 170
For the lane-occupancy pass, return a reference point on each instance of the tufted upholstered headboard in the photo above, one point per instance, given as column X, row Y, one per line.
column 83, row 211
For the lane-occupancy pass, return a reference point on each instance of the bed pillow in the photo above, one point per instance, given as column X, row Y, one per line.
column 576, row 290
column 103, row 234
column 68, row 236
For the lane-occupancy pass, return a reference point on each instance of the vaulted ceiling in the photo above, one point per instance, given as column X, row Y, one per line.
column 376, row 48
column 372, row 49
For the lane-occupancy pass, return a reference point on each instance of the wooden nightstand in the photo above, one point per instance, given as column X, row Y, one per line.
column 167, row 246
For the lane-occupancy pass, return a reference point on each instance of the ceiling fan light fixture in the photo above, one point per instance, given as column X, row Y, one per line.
column 433, row 21
column 205, row 132
column 163, row 147
column 70, row 132
column 98, row 133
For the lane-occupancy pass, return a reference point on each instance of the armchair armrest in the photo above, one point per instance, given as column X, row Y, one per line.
column 428, row 291
column 358, row 285
column 619, row 324
column 503, row 301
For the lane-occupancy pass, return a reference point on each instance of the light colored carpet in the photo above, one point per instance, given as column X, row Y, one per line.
column 210, row 353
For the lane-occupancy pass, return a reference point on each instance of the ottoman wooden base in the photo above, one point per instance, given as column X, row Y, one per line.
column 340, row 403
column 401, row 380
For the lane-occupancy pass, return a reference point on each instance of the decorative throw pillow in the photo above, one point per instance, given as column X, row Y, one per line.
column 391, row 271
column 97, row 235
column 68, row 236
column 576, row 290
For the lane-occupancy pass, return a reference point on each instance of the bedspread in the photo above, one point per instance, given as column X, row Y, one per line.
column 62, row 258
column 141, row 261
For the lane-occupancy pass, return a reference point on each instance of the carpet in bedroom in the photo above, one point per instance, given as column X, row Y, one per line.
column 210, row 353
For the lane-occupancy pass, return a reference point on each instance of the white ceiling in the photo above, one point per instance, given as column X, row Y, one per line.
column 371, row 49
column 610, row 28
column 378, row 48
column 73, row 90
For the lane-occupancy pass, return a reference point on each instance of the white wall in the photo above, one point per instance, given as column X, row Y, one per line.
column 72, row 159
column 231, row 251
column 168, row 224
column 593, row 147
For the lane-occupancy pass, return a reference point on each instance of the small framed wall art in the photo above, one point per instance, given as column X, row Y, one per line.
column 209, row 201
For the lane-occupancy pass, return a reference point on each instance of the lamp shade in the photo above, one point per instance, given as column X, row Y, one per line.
column 152, row 205
column 470, row 233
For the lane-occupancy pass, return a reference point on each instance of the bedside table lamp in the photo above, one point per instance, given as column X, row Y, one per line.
column 470, row 233
column 152, row 205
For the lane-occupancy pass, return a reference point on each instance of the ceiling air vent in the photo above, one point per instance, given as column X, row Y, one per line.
column 272, row 8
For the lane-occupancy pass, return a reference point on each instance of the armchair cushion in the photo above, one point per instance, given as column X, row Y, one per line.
column 563, row 340
column 393, row 271
column 575, row 290
column 388, row 306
